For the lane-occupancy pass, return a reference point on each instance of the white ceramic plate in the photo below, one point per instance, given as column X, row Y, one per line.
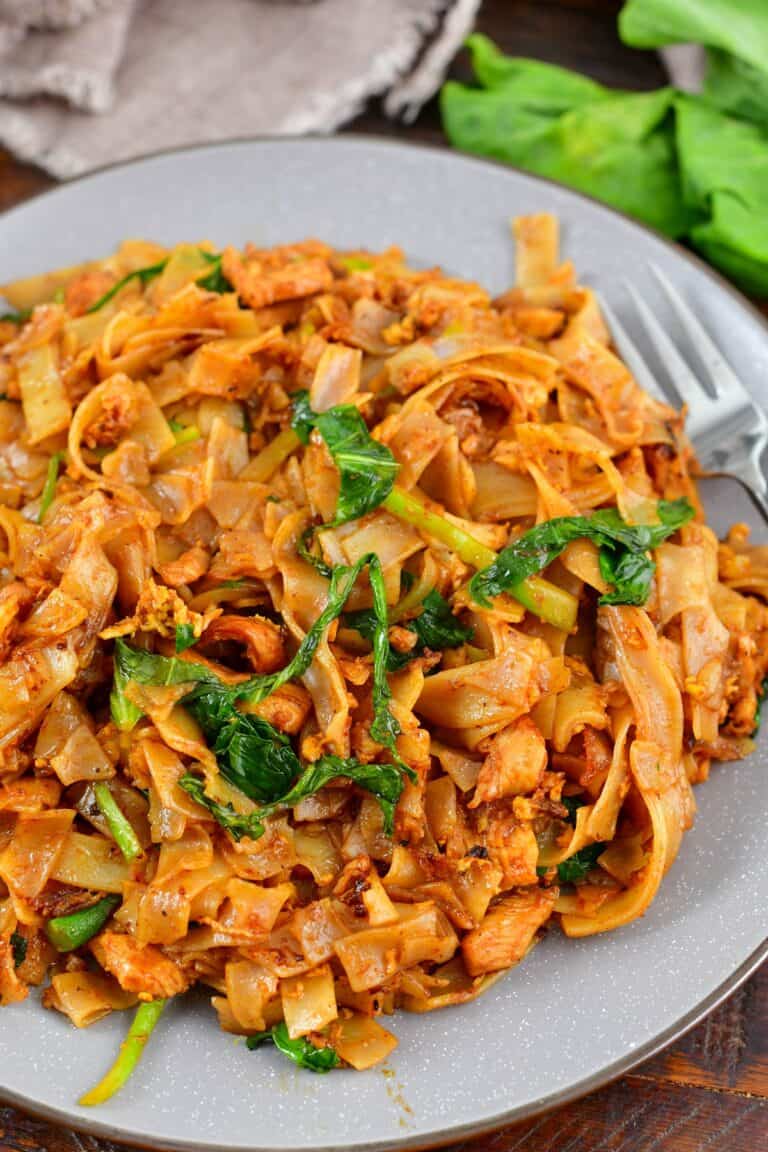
column 577, row 1012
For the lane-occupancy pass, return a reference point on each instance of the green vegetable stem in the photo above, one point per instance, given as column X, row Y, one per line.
column 69, row 932
column 119, row 825
column 131, row 1049
column 49, row 488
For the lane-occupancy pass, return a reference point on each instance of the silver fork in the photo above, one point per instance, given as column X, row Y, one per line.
column 728, row 428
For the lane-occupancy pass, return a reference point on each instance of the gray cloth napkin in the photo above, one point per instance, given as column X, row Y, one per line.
column 89, row 82
column 686, row 65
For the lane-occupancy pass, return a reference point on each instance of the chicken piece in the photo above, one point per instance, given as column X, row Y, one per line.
column 187, row 568
column 86, row 289
column 119, row 412
column 515, row 763
column 243, row 553
column 263, row 640
column 284, row 273
column 507, row 930
column 145, row 971
column 512, row 845
column 13, row 599
column 162, row 610
column 541, row 323
column 286, row 709
column 61, row 900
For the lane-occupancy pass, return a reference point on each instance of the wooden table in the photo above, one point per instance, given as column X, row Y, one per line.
column 710, row 1090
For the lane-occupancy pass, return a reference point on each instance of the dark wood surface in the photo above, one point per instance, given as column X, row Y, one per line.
column 709, row 1091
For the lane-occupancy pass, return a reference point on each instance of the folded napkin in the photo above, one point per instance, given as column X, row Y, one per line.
column 89, row 82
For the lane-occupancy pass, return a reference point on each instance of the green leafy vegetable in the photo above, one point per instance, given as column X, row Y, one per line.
column 49, row 488
column 148, row 668
column 18, row 948
column 724, row 164
column 184, row 433
column 119, row 824
column 69, row 932
column 435, row 628
column 16, row 317
column 573, row 803
column 383, row 781
column 235, row 736
column 131, row 1049
column 617, row 146
column 124, row 712
column 763, row 692
column 301, row 1051
column 735, row 34
column 546, row 600
column 143, row 275
column 237, row 824
column 676, row 161
column 623, row 551
column 215, row 280
column 367, row 468
column 355, row 263
column 251, row 754
column 576, row 867
column 185, row 637
column 385, row 726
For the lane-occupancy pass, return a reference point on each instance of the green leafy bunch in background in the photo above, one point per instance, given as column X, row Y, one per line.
column 694, row 167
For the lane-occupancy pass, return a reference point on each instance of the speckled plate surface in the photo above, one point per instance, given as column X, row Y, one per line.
column 576, row 1013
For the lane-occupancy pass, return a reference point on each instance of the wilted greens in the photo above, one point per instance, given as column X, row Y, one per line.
column 576, row 867
column 695, row 167
column 367, row 469
column 301, row 1051
column 435, row 628
column 623, row 551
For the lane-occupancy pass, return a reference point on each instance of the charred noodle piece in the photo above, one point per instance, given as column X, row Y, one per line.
column 551, row 604
column 69, row 932
column 131, row 1049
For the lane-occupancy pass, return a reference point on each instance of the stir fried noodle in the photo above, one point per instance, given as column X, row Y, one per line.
column 353, row 627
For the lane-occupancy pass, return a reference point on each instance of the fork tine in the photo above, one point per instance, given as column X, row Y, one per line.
column 630, row 353
column 721, row 375
column 687, row 386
